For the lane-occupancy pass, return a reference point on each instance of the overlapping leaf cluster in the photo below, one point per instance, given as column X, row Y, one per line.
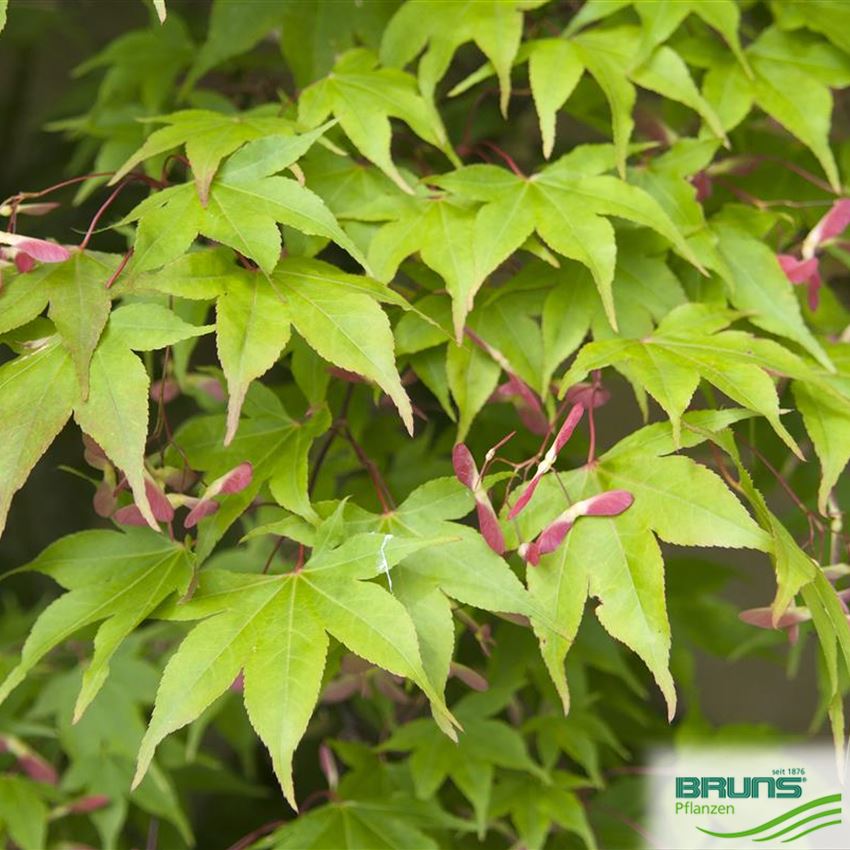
column 312, row 280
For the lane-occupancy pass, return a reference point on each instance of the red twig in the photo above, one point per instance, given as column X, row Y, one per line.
column 121, row 266
column 103, row 208
column 381, row 489
column 506, row 157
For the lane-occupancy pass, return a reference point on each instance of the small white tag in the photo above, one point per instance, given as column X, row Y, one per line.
column 383, row 566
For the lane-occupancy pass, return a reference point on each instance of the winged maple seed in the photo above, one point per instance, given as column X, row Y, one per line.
column 468, row 475
column 793, row 616
column 35, row 249
column 563, row 435
column 805, row 270
column 609, row 503
column 233, row 481
column 789, row 621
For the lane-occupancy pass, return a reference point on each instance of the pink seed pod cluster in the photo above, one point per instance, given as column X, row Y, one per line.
column 162, row 503
column 610, row 503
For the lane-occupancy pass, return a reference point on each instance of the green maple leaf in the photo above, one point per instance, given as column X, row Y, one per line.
column 23, row 810
column 116, row 579
column 494, row 26
column 275, row 628
column 483, row 745
column 791, row 81
column 38, row 391
column 759, row 287
column 567, row 207
column 115, row 413
column 689, row 345
column 618, row 559
column 535, row 807
column 337, row 315
column 252, row 329
column 660, row 20
column 464, row 568
column 618, row 59
column 824, row 403
column 77, row 299
column 363, row 98
column 350, row 824
column 208, row 138
column 246, row 202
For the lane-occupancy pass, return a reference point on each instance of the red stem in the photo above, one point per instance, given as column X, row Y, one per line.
column 506, row 157
column 121, row 267
column 103, row 208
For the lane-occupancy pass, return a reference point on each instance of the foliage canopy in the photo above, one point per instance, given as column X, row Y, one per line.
column 408, row 343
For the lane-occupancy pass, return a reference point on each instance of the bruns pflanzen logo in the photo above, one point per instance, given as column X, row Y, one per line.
column 744, row 797
column 730, row 786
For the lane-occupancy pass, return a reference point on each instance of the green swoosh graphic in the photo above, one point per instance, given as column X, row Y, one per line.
column 800, row 823
column 813, row 829
column 830, row 798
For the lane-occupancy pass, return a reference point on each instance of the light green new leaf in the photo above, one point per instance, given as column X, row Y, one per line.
column 208, row 137
column 118, row 578
column 364, row 98
column 605, row 53
column 826, row 416
column 666, row 73
column 79, row 307
column 567, row 209
column 252, row 329
column 289, row 481
column 115, row 414
column 443, row 233
column 273, row 628
column 494, row 25
column 559, row 586
column 345, row 327
column 243, row 209
column 554, row 69
column 472, row 376
column 22, row 298
column 146, row 327
column 670, row 362
column 628, row 580
column 37, row 394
